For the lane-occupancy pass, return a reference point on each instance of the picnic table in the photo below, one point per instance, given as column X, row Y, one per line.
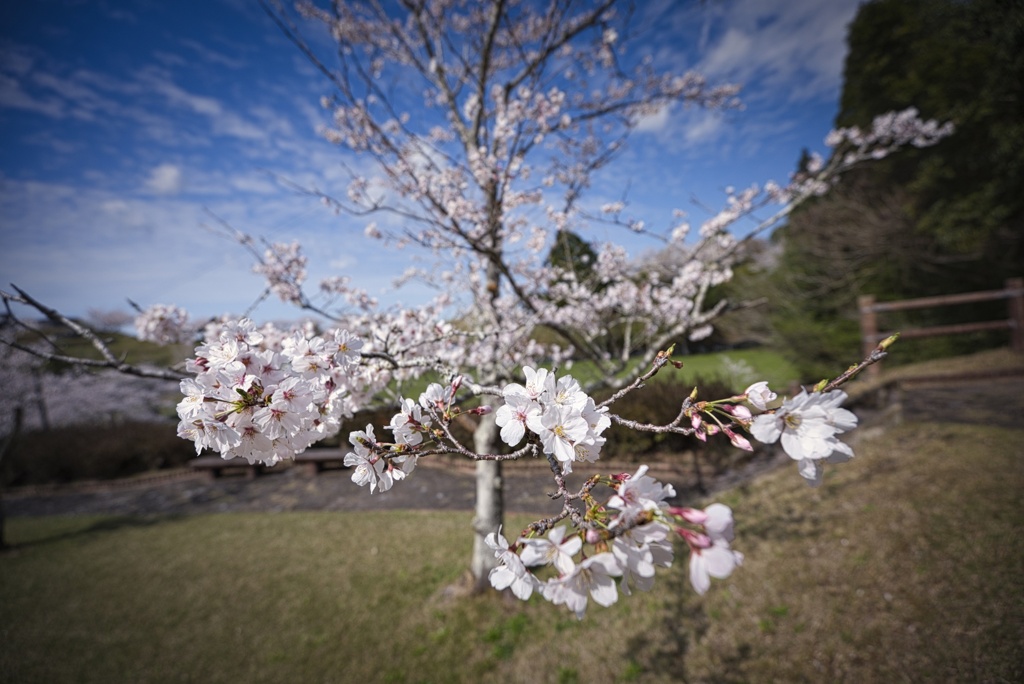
column 313, row 462
column 215, row 466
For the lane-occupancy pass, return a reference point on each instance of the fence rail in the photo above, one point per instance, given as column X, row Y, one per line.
column 1013, row 291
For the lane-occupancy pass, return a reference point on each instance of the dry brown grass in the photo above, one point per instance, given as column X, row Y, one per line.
column 993, row 362
column 908, row 565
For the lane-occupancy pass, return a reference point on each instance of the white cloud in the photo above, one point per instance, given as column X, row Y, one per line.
column 199, row 104
column 211, row 55
column 77, row 247
column 342, row 263
column 83, row 102
column 654, row 122
column 165, row 179
column 704, row 127
column 222, row 119
column 791, row 46
column 253, row 183
column 16, row 59
column 14, row 96
column 731, row 54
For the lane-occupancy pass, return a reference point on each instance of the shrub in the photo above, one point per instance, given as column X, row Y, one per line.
column 659, row 403
column 94, row 452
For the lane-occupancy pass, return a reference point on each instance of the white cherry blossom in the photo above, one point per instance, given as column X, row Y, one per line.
column 594, row 576
column 759, row 396
column 555, row 550
column 716, row 560
column 514, row 415
column 560, row 428
column 511, row 573
column 640, row 492
column 807, row 425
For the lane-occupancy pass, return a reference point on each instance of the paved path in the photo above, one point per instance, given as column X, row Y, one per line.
column 429, row 487
column 289, row 490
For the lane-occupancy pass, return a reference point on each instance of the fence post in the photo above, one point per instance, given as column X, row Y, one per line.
column 1016, row 302
column 868, row 330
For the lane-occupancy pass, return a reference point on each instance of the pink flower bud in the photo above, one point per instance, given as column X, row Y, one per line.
column 738, row 440
column 740, row 412
column 696, row 540
column 593, row 536
column 690, row 515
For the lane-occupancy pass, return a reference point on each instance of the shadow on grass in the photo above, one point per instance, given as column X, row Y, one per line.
column 680, row 623
column 107, row 524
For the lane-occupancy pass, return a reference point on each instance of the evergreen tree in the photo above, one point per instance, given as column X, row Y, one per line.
column 934, row 221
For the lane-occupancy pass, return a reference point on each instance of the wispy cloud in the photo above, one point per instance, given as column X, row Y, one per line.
column 703, row 127
column 653, row 122
column 791, row 46
column 212, row 56
column 165, row 179
column 14, row 96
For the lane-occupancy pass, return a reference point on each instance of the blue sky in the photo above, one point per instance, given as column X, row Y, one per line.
column 127, row 124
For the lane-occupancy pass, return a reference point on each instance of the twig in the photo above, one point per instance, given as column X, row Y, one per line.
column 108, row 361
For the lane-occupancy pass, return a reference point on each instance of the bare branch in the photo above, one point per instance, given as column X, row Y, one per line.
column 109, row 359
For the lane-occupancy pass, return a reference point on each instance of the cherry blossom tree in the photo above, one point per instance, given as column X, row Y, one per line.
column 507, row 110
column 484, row 124
column 484, row 155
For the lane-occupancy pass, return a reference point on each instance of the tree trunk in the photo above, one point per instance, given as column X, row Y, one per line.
column 490, row 503
column 44, row 415
column 6, row 447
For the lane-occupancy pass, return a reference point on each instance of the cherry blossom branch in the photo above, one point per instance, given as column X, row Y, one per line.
column 876, row 355
column 109, row 360
column 660, row 359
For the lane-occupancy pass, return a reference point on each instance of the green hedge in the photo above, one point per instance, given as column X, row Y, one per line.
column 94, row 452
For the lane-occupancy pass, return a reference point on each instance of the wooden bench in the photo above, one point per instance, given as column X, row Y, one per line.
column 215, row 466
column 315, row 461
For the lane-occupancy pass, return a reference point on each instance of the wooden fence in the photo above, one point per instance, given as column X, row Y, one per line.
column 1013, row 291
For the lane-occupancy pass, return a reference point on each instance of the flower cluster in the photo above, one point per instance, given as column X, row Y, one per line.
column 163, row 324
column 370, row 467
column 380, row 464
column 617, row 544
column 726, row 416
column 264, row 404
column 890, row 131
column 807, row 425
column 567, row 421
column 284, row 267
column 628, row 538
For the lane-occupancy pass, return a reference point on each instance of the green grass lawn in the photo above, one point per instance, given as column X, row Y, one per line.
column 737, row 368
column 740, row 368
column 907, row 565
column 126, row 347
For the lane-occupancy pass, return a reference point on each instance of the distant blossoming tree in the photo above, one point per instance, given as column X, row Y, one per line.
column 485, row 123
